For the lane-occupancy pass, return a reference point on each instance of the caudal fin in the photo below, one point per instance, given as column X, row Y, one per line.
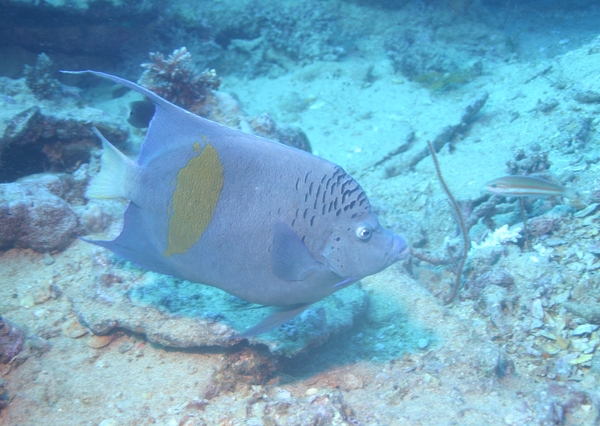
column 570, row 193
column 116, row 173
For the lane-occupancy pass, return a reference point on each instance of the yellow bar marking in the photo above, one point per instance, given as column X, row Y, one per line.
column 199, row 185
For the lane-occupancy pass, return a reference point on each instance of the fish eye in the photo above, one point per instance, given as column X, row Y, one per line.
column 363, row 232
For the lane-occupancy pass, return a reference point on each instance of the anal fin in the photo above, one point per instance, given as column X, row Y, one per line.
column 274, row 320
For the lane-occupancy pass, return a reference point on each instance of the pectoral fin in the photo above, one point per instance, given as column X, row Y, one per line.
column 291, row 260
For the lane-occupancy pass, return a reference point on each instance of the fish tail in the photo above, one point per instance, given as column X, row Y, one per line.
column 115, row 176
column 570, row 193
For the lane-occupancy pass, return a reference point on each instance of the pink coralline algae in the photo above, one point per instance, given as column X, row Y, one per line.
column 11, row 341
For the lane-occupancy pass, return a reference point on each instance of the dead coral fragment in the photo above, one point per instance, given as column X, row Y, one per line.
column 11, row 341
column 176, row 80
column 246, row 367
column 530, row 161
column 252, row 367
column 263, row 125
column 542, row 225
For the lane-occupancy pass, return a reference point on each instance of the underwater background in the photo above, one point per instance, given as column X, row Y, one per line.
column 498, row 87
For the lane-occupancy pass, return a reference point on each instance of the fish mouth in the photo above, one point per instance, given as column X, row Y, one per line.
column 400, row 249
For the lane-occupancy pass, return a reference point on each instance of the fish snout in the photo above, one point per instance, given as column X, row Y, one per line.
column 399, row 250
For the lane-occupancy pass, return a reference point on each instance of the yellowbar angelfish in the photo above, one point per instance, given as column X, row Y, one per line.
column 265, row 222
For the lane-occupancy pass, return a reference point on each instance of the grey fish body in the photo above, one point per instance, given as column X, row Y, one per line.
column 268, row 223
column 248, row 210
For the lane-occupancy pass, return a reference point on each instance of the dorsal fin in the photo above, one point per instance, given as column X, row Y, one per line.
column 151, row 95
column 170, row 124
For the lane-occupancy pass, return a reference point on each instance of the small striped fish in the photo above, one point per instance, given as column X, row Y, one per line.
column 528, row 186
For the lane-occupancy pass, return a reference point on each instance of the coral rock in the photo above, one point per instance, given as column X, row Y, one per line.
column 32, row 215
column 184, row 314
column 37, row 136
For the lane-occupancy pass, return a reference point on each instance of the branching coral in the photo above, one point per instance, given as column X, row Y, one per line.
column 176, row 80
column 40, row 77
column 500, row 236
